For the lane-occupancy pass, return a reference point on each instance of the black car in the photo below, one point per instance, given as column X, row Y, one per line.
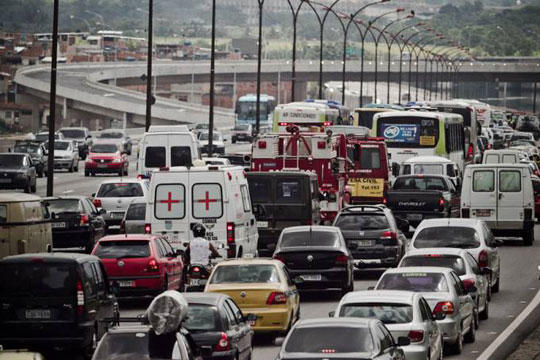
column 214, row 320
column 316, row 257
column 54, row 300
column 17, row 171
column 373, row 235
column 76, row 222
column 37, row 152
column 82, row 136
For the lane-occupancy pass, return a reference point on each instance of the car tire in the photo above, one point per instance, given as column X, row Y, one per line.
column 27, row 187
column 233, row 140
column 86, row 173
column 484, row 315
column 93, row 173
column 76, row 167
column 489, row 292
column 89, row 350
column 70, row 168
column 470, row 337
column 495, row 288
column 40, row 173
column 528, row 237
column 90, row 244
column 33, row 188
column 457, row 347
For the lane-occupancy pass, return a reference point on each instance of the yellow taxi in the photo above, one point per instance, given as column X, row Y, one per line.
column 261, row 287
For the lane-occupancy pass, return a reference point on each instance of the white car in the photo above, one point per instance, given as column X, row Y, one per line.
column 115, row 196
column 445, row 293
column 216, row 161
column 469, row 234
column 218, row 142
column 463, row 263
column 66, row 155
column 404, row 313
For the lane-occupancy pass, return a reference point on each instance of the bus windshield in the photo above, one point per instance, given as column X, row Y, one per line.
column 409, row 132
column 365, row 118
column 248, row 109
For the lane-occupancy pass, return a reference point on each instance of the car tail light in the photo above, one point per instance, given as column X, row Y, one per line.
column 84, row 219
column 152, row 265
column 389, row 238
column 442, row 204
column 223, row 343
column 80, row 298
column 468, row 283
column 230, row 233
column 196, row 269
column 342, row 260
column 446, row 307
column 147, row 228
column 528, row 214
column 141, row 177
column 470, row 152
column 538, row 199
column 416, row 336
column 261, row 144
column 97, row 203
column 276, row 298
column 384, row 201
column 321, row 144
column 483, row 259
column 327, row 123
column 283, row 124
column 279, row 258
column 465, row 213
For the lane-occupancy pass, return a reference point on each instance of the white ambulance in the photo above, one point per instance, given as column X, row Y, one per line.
column 212, row 195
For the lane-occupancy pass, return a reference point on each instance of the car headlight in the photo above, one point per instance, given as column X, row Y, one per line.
column 117, row 160
column 21, row 174
column 67, row 157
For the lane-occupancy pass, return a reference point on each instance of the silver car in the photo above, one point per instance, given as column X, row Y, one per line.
column 463, row 264
column 470, row 234
column 445, row 293
column 404, row 313
column 133, row 222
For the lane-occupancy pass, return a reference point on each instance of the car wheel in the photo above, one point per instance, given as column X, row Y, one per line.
column 70, row 168
column 233, row 140
column 90, row 244
column 495, row 288
column 33, row 188
column 528, row 237
column 93, row 173
column 27, row 187
column 484, row 315
column 471, row 334
column 441, row 351
column 40, row 173
column 89, row 351
column 488, row 295
column 86, row 173
column 457, row 347
column 76, row 167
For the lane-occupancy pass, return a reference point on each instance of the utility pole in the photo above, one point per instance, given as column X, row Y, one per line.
column 52, row 102
column 149, row 98
column 212, row 82
column 259, row 63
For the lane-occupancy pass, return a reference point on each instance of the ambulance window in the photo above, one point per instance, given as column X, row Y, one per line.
column 370, row 158
column 155, row 157
column 170, row 201
column 289, row 191
column 207, row 201
column 180, row 156
column 245, row 198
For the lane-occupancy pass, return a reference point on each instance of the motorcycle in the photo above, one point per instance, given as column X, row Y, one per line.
column 196, row 277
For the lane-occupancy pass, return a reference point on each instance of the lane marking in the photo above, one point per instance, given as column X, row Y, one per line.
column 510, row 316
column 492, row 333
column 522, row 302
column 68, row 191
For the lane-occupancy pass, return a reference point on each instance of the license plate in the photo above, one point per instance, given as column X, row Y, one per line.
column 58, row 225
column 317, row 277
column 126, row 283
column 102, row 165
column 483, row 213
column 414, row 216
column 38, row 314
column 117, row 215
column 262, row 224
column 251, row 322
column 5, row 181
column 365, row 242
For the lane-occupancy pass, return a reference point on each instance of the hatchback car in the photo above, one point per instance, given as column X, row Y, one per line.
column 214, row 320
column 140, row 264
column 316, row 257
column 115, row 196
column 242, row 133
column 218, row 142
column 372, row 235
column 133, row 222
column 75, row 222
column 54, row 300
column 444, row 291
column 106, row 157
column 17, row 171
column 469, row 234
column 404, row 313
column 464, row 264
column 259, row 286
column 343, row 338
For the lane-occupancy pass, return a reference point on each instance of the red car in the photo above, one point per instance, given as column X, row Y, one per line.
column 106, row 157
column 140, row 264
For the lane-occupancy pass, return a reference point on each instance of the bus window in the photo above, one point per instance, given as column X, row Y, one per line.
column 405, row 132
column 365, row 118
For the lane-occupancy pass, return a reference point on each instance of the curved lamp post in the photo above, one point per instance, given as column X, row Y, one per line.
column 295, row 11
column 83, row 20
column 401, row 49
column 418, row 49
column 436, row 56
column 363, row 36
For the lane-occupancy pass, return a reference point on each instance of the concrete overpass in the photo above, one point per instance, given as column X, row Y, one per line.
column 87, row 92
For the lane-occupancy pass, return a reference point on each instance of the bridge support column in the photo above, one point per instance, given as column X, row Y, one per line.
column 300, row 90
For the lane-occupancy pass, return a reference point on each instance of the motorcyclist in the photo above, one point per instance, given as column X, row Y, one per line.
column 200, row 249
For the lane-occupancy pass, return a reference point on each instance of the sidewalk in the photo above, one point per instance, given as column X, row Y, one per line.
column 529, row 348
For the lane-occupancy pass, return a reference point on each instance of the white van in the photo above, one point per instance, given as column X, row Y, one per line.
column 215, row 196
column 159, row 149
column 437, row 165
column 501, row 195
column 502, row 157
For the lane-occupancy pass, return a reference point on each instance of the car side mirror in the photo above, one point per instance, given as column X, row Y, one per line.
column 178, row 252
column 279, row 341
column 331, row 314
column 439, row 316
column 251, row 318
column 403, row 224
column 395, row 169
column 471, row 289
column 403, row 341
column 499, row 242
column 486, row 271
column 206, row 351
column 93, row 195
column 102, row 211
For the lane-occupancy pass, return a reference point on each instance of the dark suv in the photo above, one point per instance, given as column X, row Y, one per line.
column 82, row 136
column 373, row 235
column 54, row 300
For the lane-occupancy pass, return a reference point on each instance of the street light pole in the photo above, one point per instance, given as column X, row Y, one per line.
column 149, row 97
column 84, row 20
column 212, row 82
column 259, row 63
column 52, row 102
column 295, row 12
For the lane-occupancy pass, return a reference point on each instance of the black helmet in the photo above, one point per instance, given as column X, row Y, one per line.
column 198, row 230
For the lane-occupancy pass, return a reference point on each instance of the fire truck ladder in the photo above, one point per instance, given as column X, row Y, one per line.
column 294, row 145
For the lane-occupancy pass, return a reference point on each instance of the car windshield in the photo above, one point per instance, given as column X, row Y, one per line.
column 201, row 318
column 309, row 238
column 136, row 212
column 73, row 133
column 123, row 249
column 104, row 148
column 206, row 136
column 241, row 127
column 120, row 190
column 447, row 236
column 362, row 221
column 130, row 345
column 252, row 273
column 436, row 169
column 323, row 339
column 26, row 148
column 413, row 281
column 60, row 206
column 43, row 279
column 419, row 183
column 11, row 160
column 111, row 135
column 455, row 263
column 388, row 313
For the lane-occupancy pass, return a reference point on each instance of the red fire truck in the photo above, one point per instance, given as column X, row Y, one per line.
column 320, row 153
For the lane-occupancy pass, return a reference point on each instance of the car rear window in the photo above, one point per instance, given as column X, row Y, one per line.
column 455, row 263
column 259, row 190
column 43, row 279
column 201, row 318
column 136, row 212
column 155, row 157
column 120, row 190
column 111, row 135
column 362, row 222
column 388, row 313
column 62, row 206
column 104, row 148
column 309, row 238
column 254, row 273
column 123, row 249
column 447, row 236
column 436, row 169
column 414, row 281
column 129, row 345
column 420, row 183
column 317, row 340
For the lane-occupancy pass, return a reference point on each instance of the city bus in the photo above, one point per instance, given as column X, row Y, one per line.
column 364, row 116
column 344, row 112
column 246, row 108
column 306, row 116
column 410, row 134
